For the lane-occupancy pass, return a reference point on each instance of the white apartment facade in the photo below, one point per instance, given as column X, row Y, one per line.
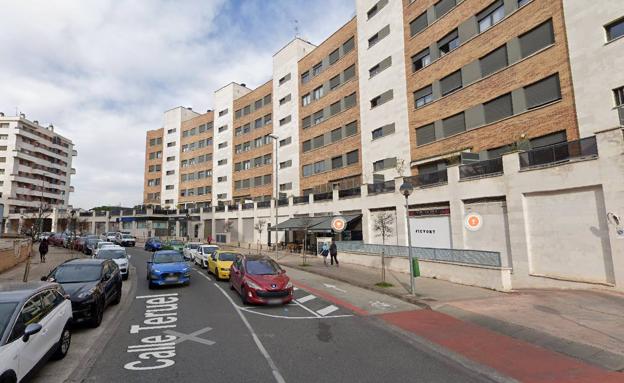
column 596, row 45
column 35, row 166
column 172, row 123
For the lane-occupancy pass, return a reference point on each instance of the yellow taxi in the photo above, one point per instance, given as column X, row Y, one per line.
column 220, row 261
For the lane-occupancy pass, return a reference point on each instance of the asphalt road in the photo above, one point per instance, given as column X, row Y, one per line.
column 215, row 338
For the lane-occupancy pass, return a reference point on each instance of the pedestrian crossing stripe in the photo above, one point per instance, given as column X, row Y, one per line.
column 306, row 298
column 327, row 310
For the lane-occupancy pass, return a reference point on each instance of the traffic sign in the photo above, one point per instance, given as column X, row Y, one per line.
column 338, row 224
column 473, row 221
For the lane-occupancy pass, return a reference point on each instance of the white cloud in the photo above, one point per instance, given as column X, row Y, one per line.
column 103, row 72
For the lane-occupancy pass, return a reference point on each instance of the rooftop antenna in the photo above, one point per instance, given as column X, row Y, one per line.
column 296, row 22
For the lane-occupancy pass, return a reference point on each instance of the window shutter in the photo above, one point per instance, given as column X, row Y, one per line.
column 334, row 108
column 350, row 129
column 493, row 61
column 388, row 129
column 451, row 82
column 349, row 73
column 422, row 92
column 418, row 24
column 334, row 82
column 443, row 6
column 498, row 108
column 542, row 92
column 348, row 46
column 336, row 134
column 489, row 9
column 349, row 101
column 537, row 39
column 446, row 39
column 454, row 124
column 425, row 134
column 334, row 56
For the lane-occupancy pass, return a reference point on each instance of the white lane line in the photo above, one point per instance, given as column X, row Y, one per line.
column 327, row 310
column 276, row 374
column 203, row 275
column 306, row 298
column 306, row 309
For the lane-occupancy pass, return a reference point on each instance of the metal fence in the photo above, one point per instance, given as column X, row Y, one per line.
column 564, row 151
column 301, row 199
column 323, row 196
column 471, row 257
column 282, row 202
column 481, row 169
column 381, row 187
column 263, row 204
column 347, row 193
column 428, row 179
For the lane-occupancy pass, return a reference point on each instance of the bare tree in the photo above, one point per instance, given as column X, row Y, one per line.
column 383, row 227
column 259, row 226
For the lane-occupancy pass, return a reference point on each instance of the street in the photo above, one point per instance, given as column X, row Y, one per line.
column 214, row 337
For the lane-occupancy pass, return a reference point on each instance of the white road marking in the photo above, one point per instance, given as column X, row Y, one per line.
column 203, row 275
column 327, row 310
column 380, row 305
column 306, row 298
column 295, row 288
column 306, row 309
column 276, row 374
column 334, row 287
column 181, row 337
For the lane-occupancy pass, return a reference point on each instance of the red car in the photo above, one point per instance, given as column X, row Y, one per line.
column 56, row 239
column 260, row 280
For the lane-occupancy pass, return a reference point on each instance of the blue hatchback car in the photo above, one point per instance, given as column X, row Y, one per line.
column 168, row 267
column 153, row 244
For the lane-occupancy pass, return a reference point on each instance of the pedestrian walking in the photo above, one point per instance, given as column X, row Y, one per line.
column 333, row 252
column 43, row 249
column 325, row 252
column 209, row 239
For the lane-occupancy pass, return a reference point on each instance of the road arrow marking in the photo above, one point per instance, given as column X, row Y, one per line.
column 380, row 305
column 334, row 287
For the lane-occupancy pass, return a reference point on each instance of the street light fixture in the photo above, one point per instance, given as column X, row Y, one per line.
column 406, row 189
column 275, row 138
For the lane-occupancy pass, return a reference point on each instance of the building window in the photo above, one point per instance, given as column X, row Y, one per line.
column 305, row 77
column 542, row 92
column 318, row 117
column 454, row 125
column 284, row 99
column 423, row 96
column 352, row 157
column 267, row 119
column 451, row 82
column 618, row 93
column 171, row 158
column 336, row 162
column 285, row 164
column 222, row 162
column 387, row 163
column 319, row 167
column 285, row 141
column 443, row 6
column 223, row 112
column 377, row 37
column 306, row 99
column 418, row 24
column 284, row 79
column 491, row 15
column 350, row 129
column 421, row 60
column 349, row 73
column 383, row 131
column 615, row 29
column 223, row 144
column 316, row 69
column 382, row 98
column 537, row 38
column 306, row 122
column 171, row 131
column 334, row 56
column 384, row 64
column 498, row 108
column 308, row 170
column 334, row 82
column 493, row 61
column 318, row 141
column 285, row 187
column 348, row 46
column 222, row 196
column 376, row 8
column 169, row 187
column 448, row 43
column 425, row 134
column 222, row 179
column 349, row 101
column 522, row 3
column 258, row 123
column 334, row 108
column 317, row 93
column 258, row 104
column 285, row 120
column 306, row 146
column 223, row 128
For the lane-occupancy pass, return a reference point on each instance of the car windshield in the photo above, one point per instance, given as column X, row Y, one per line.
column 168, row 257
column 92, row 241
column 6, row 310
column 127, row 236
column 192, row 246
column 112, row 254
column 176, row 243
column 76, row 273
column 228, row 256
column 102, row 244
column 262, row 267
column 209, row 250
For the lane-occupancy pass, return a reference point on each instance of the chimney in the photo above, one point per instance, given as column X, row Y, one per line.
column 51, row 127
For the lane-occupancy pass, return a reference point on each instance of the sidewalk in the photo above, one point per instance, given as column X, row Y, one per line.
column 586, row 325
column 56, row 256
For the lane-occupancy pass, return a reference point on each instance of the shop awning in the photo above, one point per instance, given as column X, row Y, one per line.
column 325, row 225
column 315, row 224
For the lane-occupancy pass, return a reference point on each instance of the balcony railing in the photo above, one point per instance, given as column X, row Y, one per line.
column 247, row 206
column 381, row 187
column 323, row 196
column 115, row 212
column 140, row 211
column 220, row 208
column 480, row 169
column 557, row 153
column 127, row 212
column 100, row 213
column 429, row 179
column 264, row 204
column 86, row 214
column 349, row 193
column 301, row 200
column 195, row 210
column 282, row 202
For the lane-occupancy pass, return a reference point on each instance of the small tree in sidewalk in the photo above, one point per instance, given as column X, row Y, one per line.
column 259, row 226
column 383, row 227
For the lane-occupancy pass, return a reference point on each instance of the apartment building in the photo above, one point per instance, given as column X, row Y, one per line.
column 35, row 165
column 152, row 184
column 329, row 128
column 484, row 77
column 196, row 151
column 252, row 145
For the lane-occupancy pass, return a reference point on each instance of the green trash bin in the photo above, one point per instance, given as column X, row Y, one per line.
column 415, row 267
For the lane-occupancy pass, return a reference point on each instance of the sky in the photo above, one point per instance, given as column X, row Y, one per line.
column 104, row 71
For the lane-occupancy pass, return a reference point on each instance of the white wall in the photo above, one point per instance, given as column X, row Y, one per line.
column 596, row 64
column 396, row 144
column 286, row 61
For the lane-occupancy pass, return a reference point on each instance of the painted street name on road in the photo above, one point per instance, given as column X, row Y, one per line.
column 155, row 351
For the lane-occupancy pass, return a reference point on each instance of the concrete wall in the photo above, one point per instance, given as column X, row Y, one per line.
column 12, row 252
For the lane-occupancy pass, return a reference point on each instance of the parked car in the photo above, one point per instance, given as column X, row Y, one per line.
column 190, row 250
column 102, row 244
column 35, row 323
column 153, row 244
column 118, row 255
column 90, row 245
column 173, row 244
column 79, row 244
column 57, row 239
column 125, row 239
column 68, row 238
column 260, row 280
column 44, row 235
column 92, row 285
column 167, row 267
column 220, row 262
column 109, row 236
column 203, row 253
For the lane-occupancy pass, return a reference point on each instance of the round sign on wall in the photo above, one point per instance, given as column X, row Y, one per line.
column 338, row 224
column 473, row 221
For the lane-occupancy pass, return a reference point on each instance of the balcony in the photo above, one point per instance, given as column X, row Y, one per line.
column 86, row 214
column 328, row 196
column 381, row 187
column 282, row 202
column 220, row 208
column 584, row 148
column 350, row 193
column 480, row 169
column 264, row 204
column 247, row 206
column 301, row 200
column 74, row 153
column 429, row 179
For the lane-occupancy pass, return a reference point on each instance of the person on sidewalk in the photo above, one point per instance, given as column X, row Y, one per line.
column 333, row 252
column 325, row 252
column 43, row 249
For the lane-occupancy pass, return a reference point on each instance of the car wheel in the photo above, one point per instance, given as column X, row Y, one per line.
column 63, row 345
column 98, row 314
column 8, row 377
column 117, row 297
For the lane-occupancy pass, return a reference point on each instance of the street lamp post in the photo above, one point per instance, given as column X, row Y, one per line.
column 406, row 189
column 275, row 138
